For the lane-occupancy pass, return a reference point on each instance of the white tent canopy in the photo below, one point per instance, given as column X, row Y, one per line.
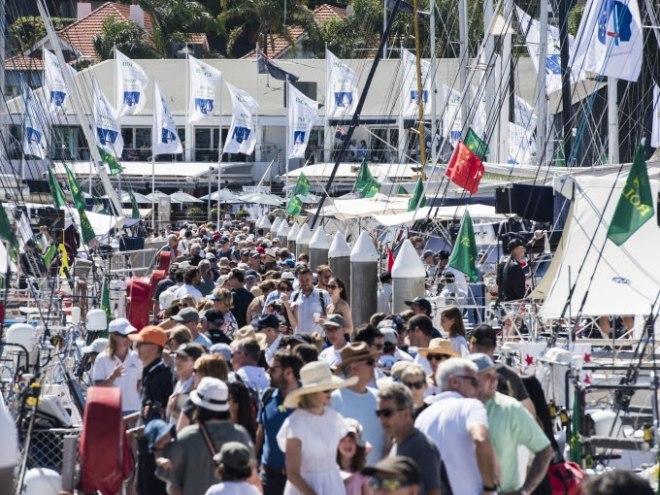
column 224, row 196
column 262, row 199
column 626, row 280
column 182, row 197
column 478, row 212
column 346, row 209
column 156, row 195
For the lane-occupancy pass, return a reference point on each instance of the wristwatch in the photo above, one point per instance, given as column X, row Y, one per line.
column 491, row 489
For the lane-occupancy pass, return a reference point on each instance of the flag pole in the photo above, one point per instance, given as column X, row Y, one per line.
column 326, row 119
column 288, row 131
column 612, row 120
column 154, row 132
column 220, row 149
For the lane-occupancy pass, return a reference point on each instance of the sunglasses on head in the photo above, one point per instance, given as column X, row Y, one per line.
column 386, row 413
column 415, row 385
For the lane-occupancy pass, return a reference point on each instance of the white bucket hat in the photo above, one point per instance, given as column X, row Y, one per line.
column 121, row 326
column 316, row 377
column 212, row 394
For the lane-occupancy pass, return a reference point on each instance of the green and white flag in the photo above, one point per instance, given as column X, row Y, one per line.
column 7, row 233
column 418, row 199
column 475, row 144
column 135, row 211
column 366, row 185
column 59, row 199
column 74, row 187
column 302, row 187
column 105, row 298
column 464, row 255
column 635, row 206
column 88, row 234
column 112, row 163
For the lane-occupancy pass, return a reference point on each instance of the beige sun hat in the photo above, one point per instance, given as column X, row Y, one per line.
column 316, row 377
column 438, row 346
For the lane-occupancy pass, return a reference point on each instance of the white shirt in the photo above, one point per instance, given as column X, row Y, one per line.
column 189, row 290
column 127, row 383
column 232, row 488
column 384, row 304
column 167, row 297
column 331, row 356
column 424, row 363
column 254, row 377
column 272, row 349
column 447, row 423
column 306, row 306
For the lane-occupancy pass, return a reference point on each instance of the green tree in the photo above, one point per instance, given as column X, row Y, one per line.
column 174, row 21
column 128, row 37
column 261, row 20
column 28, row 30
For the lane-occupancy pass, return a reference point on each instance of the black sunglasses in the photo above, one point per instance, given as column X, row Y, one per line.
column 437, row 357
column 386, row 413
column 416, row 385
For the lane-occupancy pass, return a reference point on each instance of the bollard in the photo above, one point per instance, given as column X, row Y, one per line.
column 364, row 281
column 339, row 259
column 291, row 238
column 318, row 248
column 408, row 277
column 302, row 240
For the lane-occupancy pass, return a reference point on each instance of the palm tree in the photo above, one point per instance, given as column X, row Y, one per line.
column 262, row 20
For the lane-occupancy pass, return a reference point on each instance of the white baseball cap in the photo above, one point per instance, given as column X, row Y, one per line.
column 121, row 326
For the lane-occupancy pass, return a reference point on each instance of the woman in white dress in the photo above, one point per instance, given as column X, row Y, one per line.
column 310, row 436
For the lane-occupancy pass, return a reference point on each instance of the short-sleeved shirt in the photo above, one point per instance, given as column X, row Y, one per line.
column 425, row 454
column 306, row 306
column 331, row 355
column 511, row 425
column 362, row 407
column 203, row 340
column 189, row 290
column 510, row 383
column 193, row 469
column 271, row 418
column 161, row 286
column 233, row 488
column 447, row 422
column 128, row 383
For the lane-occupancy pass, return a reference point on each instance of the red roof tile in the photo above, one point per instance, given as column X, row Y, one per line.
column 24, row 62
column 322, row 14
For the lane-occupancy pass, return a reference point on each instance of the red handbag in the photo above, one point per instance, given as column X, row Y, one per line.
column 566, row 478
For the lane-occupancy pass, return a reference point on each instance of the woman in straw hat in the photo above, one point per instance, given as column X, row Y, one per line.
column 310, row 436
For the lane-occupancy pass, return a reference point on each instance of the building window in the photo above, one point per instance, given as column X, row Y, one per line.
column 206, row 146
column 137, row 144
column 68, row 143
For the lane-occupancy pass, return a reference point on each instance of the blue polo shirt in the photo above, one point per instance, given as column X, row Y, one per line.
column 271, row 418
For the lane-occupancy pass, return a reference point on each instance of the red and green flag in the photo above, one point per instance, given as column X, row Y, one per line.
column 635, row 206
column 475, row 144
column 418, row 200
column 464, row 255
column 366, row 185
column 465, row 168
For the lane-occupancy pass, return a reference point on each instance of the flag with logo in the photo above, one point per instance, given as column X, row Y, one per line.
column 164, row 137
column 34, row 127
column 464, row 254
column 302, row 188
column 366, row 184
column 418, row 200
column 452, row 123
column 531, row 29
column 7, row 232
column 609, row 39
column 55, row 89
column 303, row 112
column 74, row 187
column 341, row 88
column 108, row 132
column 110, row 161
column 465, row 168
column 203, row 80
column 242, row 135
column 131, row 85
column 635, row 206
column 59, row 199
column 409, row 98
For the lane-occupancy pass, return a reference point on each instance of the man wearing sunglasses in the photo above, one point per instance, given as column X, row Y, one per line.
column 395, row 411
column 458, row 425
column 394, row 476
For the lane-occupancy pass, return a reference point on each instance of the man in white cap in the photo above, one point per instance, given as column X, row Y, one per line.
column 191, row 454
column 334, row 327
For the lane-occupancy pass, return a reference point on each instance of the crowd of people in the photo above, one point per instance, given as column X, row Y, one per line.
column 254, row 378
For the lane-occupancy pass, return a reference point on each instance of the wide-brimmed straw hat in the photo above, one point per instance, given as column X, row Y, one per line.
column 438, row 346
column 316, row 377
column 356, row 351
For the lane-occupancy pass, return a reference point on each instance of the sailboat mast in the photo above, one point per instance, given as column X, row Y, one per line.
column 541, row 98
column 421, row 128
column 566, row 100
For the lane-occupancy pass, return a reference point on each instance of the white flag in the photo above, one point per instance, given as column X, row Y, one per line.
column 164, row 138
column 303, row 112
column 451, row 118
column 655, row 128
column 522, row 144
column 55, row 88
column 108, row 131
column 131, row 85
column 531, row 28
column 34, row 128
column 203, row 80
column 609, row 39
column 242, row 131
column 341, row 88
column 409, row 98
